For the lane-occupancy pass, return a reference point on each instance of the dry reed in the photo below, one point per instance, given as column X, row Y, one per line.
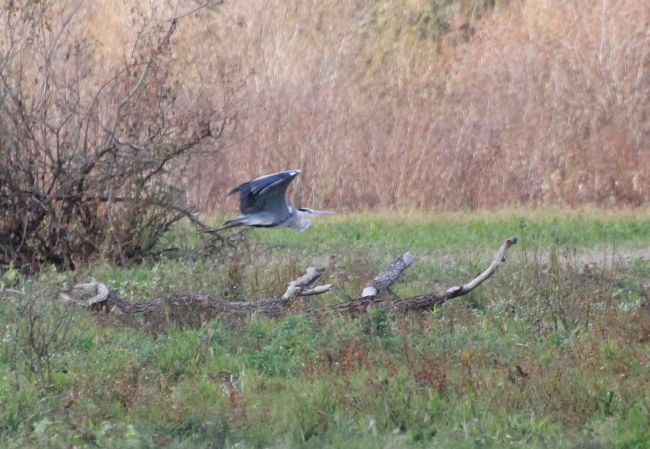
column 416, row 104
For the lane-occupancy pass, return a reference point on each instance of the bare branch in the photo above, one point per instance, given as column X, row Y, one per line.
column 388, row 277
column 499, row 259
column 302, row 285
column 430, row 300
column 196, row 8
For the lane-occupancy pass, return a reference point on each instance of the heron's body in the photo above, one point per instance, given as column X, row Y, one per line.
column 263, row 203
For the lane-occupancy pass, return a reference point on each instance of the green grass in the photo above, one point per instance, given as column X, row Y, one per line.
column 430, row 232
column 547, row 353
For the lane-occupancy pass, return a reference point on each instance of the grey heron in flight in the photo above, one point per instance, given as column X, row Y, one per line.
column 263, row 203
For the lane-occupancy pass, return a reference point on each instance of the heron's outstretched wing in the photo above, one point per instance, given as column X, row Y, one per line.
column 266, row 194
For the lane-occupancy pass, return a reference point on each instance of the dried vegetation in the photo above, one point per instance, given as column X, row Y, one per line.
column 113, row 116
column 420, row 104
column 90, row 150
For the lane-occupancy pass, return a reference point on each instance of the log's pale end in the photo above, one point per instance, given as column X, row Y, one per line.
column 408, row 258
column 369, row 292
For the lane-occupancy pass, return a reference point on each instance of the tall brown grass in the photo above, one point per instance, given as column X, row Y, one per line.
column 418, row 104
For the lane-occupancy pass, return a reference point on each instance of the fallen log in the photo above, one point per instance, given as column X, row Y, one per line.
column 205, row 307
column 430, row 300
column 197, row 306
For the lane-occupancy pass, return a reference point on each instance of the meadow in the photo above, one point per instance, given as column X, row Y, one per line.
column 439, row 127
column 553, row 351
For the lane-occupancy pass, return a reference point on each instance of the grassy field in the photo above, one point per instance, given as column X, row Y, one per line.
column 553, row 351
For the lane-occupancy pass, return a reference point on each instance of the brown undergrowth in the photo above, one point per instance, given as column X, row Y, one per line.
column 418, row 104
column 413, row 104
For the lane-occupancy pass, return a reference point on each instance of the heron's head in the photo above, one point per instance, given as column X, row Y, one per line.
column 314, row 212
column 305, row 214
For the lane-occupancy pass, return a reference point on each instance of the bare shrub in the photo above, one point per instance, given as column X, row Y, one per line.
column 39, row 336
column 91, row 153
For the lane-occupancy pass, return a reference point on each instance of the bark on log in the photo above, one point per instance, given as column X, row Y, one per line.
column 388, row 277
column 202, row 306
column 197, row 308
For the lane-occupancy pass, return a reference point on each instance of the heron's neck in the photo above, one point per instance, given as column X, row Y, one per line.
column 298, row 219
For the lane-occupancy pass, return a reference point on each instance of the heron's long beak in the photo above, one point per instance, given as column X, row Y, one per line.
column 323, row 212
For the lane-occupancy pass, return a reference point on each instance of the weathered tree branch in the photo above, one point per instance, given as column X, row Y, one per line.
column 388, row 277
column 430, row 300
column 302, row 285
column 197, row 308
column 97, row 296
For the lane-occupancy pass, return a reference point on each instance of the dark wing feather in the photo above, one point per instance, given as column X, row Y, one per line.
column 266, row 194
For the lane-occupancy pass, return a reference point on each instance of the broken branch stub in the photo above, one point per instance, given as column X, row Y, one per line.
column 79, row 292
column 302, row 285
column 389, row 276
